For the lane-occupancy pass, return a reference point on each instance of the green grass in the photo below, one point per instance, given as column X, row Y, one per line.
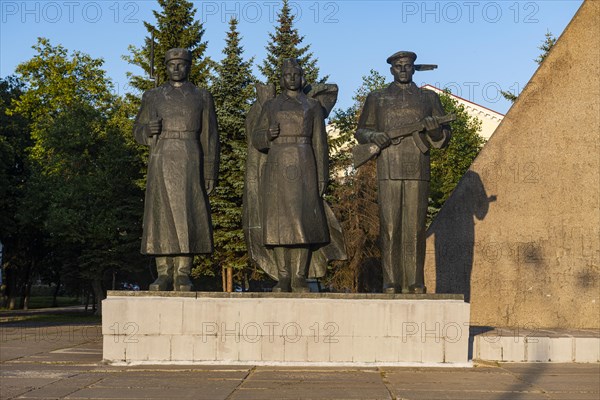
column 46, row 301
column 66, row 318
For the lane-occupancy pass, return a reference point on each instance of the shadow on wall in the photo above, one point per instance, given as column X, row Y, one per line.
column 454, row 230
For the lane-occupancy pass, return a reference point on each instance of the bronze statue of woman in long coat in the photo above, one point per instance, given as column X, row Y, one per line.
column 293, row 178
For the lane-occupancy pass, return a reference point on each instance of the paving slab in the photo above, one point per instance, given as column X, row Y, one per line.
column 11, row 392
column 166, row 379
column 325, row 383
column 216, row 391
column 462, row 395
column 306, row 390
column 550, row 368
column 63, row 388
column 316, row 376
column 492, row 379
column 573, row 396
column 580, row 379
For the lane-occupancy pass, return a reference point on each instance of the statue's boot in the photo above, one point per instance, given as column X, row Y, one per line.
column 392, row 289
column 183, row 283
column 164, row 267
column 417, row 289
column 300, row 259
column 283, row 273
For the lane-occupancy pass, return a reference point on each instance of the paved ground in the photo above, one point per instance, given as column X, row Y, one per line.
column 64, row 362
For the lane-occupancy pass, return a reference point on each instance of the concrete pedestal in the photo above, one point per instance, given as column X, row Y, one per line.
column 285, row 329
column 536, row 345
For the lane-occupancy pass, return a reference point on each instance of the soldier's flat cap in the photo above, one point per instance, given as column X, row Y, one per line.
column 178, row 54
column 401, row 54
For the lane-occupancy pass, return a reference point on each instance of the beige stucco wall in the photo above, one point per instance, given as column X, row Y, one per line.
column 520, row 236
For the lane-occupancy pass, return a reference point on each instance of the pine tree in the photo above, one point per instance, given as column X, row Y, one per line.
column 545, row 47
column 175, row 27
column 284, row 43
column 233, row 92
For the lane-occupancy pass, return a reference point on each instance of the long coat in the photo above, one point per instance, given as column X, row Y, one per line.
column 296, row 166
column 186, row 153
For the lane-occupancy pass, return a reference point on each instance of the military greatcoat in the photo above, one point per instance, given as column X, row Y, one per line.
column 296, row 167
column 184, row 155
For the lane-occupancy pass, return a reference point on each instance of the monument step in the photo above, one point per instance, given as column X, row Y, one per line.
column 535, row 345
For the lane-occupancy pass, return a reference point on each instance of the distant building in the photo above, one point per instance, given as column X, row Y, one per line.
column 490, row 119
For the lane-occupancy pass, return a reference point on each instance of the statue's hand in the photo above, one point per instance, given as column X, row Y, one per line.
column 273, row 131
column 381, row 139
column 209, row 184
column 430, row 124
column 155, row 126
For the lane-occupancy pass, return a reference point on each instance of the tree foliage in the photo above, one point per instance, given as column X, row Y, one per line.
column 448, row 165
column 233, row 92
column 346, row 121
column 14, row 140
column 83, row 187
column 21, row 243
column 353, row 195
column 175, row 28
column 545, row 47
column 284, row 43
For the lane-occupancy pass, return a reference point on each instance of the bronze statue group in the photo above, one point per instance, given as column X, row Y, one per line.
column 291, row 233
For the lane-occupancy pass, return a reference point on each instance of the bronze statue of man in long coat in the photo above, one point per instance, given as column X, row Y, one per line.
column 403, row 169
column 178, row 121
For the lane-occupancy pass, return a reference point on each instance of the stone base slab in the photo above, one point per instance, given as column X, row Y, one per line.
column 285, row 329
column 536, row 345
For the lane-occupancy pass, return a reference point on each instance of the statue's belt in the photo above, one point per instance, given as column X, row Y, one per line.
column 179, row 135
column 292, row 139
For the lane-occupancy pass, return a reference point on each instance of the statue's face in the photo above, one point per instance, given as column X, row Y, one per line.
column 403, row 69
column 292, row 78
column 178, row 70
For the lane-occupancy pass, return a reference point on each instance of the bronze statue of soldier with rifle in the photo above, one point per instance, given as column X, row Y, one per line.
column 178, row 121
column 398, row 125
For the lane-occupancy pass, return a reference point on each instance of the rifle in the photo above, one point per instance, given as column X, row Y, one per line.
column 365, row 152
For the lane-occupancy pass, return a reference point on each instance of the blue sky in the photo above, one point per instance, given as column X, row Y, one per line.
column 480, row 46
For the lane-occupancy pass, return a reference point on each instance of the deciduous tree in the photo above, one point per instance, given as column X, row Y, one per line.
column 85, row 172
